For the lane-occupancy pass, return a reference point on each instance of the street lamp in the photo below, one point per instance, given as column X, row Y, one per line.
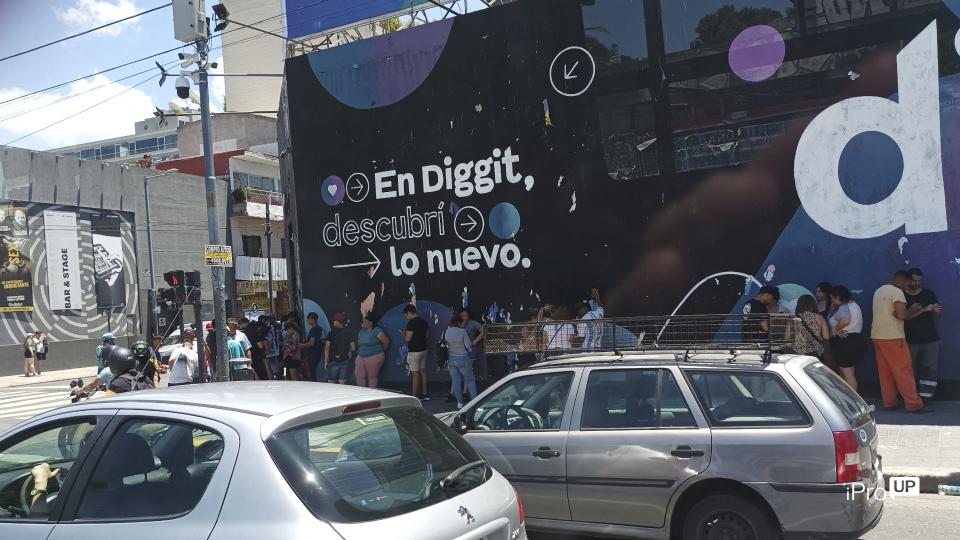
column 152, row 295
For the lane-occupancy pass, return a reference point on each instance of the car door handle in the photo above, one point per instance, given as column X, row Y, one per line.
column 544, row 452
column 686, row 452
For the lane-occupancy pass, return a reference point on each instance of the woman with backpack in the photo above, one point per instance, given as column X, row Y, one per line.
column 458, row 344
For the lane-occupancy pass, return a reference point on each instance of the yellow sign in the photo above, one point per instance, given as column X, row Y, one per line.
column 218, row 256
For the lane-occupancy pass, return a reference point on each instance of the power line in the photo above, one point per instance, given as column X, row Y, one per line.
column 167, row 65
column 61, row 40
column 118, row 94
column 150, row 57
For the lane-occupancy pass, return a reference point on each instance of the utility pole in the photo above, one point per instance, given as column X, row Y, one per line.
column 270, row 258
column 153, row 314
column 190, row 25
column 213, row 225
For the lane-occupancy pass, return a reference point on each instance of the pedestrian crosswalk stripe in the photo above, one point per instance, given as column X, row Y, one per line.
column 26, row 404
column 27, row 400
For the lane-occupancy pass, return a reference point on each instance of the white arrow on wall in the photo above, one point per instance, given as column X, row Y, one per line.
column 375, row 263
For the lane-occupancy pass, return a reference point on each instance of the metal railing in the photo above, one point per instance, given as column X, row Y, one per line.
column 767, row 333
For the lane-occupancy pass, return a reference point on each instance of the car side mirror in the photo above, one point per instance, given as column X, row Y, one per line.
column 460, row 423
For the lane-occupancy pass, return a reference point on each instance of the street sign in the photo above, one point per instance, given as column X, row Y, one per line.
column 218, row 256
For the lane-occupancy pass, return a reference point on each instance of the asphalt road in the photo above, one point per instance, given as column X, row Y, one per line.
column 931, row 517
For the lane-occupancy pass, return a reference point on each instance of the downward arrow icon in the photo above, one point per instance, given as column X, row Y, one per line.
column 568, row 73
column 375, row 263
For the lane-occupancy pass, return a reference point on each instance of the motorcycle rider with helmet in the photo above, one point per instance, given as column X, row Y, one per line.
column 133, row 367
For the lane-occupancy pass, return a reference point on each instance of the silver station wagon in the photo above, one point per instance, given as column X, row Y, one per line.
column 682, row 445
column 249, row 460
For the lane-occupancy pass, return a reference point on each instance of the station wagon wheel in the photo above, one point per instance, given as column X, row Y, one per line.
column 728, row 517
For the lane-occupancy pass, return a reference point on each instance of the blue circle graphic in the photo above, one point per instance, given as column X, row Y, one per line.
column 871, row 166
column 504, row 221
column 954, row 6
column 333, row 190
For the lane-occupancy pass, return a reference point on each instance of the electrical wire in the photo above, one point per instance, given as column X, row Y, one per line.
column 152, row 56
column 351, row 9
column 78, row 113
column 167, row 65
column 61, row 40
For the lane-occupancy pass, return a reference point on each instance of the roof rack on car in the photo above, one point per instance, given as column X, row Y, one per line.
column 685, row 335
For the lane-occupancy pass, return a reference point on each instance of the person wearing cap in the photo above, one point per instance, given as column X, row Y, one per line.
column 337, row 351
column 108, row 341
column 183, row 361
column 756, row 327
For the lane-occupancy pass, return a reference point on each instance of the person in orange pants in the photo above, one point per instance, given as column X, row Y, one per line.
column 893, row 356
column 896, row 374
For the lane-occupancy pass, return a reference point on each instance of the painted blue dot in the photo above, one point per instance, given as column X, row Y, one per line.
column 871, row 166
column 504, row 221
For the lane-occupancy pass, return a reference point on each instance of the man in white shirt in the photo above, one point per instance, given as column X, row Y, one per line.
column 183, row 361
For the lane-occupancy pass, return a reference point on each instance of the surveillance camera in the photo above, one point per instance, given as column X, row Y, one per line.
column 183, row 56
column 183, row 87
column 214, row 65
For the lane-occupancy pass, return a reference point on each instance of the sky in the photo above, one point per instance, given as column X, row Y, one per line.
column 106, row 105
column 27, row 23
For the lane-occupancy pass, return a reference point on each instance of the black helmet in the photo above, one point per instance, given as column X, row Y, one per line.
column 141, row 353
column 119, row 360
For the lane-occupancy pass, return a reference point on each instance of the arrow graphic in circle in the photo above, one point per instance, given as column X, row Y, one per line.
column 568, row 74
column 375, row 263
column 472, row 223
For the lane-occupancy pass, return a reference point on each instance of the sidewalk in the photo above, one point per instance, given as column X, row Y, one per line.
column 925, row 445
column 12, row 381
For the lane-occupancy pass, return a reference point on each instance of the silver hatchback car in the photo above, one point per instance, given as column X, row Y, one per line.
column 692, row 446
column 249, row 460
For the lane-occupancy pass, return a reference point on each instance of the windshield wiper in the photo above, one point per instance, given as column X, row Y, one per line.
column 455, row 475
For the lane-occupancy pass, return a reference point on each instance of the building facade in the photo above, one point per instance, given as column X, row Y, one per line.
column 149, row 139
column 82, row 266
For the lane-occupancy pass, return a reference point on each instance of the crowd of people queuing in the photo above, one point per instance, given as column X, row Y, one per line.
column 830, row 326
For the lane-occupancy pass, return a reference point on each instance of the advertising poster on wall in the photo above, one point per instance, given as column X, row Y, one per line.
column 63, row 260
column 108, row 261
column 16, row 284
column 522, row 155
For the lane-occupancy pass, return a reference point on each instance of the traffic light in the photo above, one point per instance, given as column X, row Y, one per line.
column 175, row 278
column 193, row 279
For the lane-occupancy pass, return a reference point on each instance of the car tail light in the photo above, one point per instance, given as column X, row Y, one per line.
column 520, row 507
column 357, row 407
column 847, row 456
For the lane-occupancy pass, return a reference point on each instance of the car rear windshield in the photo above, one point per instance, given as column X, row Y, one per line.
column 851, row 405
column 374, row 465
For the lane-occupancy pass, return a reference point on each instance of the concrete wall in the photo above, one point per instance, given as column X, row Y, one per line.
column 178, row 216
column 230, row 132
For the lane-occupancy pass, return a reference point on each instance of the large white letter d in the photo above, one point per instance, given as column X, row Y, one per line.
column 913, row 123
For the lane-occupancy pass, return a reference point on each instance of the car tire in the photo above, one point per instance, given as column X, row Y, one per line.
column 730, row 517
